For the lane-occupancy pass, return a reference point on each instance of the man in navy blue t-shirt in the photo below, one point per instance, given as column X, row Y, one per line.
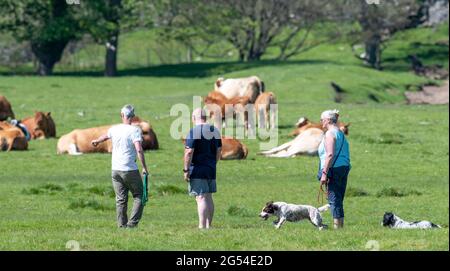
column 202, row 151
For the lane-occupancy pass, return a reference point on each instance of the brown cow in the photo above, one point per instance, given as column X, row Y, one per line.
column 304, row 124
column 232, row 149
column 262, row 107
column 12, row 138
column 215, row 100
column 5, row 109
column 40, row 126
column 79, row 140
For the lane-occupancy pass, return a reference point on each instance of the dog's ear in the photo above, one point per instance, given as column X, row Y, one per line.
column 275, row 208
column 270, row 203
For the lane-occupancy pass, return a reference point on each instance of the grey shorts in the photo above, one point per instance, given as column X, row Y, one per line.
column 199, row 187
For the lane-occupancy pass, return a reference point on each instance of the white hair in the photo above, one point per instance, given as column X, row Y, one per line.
column 332, row 115
column 128, row 111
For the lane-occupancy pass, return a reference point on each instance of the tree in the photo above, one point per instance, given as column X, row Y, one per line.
column 250, row 26
column 105, row 19
column 48, row 25
column 378, row 22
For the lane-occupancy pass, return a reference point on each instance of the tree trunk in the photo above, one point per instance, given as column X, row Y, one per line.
column 111, row 56
column 47, row 55
column 241, row 55
column 373, row 52
column 189, row 54
column 254, row 56
column 113, row 16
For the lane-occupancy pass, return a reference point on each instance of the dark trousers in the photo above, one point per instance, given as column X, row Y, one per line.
column 336, row 190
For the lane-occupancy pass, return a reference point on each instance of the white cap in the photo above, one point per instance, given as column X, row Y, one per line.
column 128, row 111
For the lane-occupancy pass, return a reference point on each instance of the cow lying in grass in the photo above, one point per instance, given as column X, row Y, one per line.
column 307, row 140
column 232, row 149
column 304, row 124
column 40, row 126
column 305, row 143
column 5, row 109
column 79, row 140
column 249, row 87
column 12, row 138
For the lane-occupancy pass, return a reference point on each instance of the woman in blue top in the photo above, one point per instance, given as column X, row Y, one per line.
column 334, row 164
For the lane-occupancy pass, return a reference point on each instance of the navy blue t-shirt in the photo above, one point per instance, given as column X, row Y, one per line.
column 205, row 140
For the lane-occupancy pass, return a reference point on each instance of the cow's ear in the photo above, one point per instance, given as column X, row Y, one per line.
column 48, row 114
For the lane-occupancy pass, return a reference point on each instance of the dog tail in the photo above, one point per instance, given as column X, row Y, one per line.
column 435, row 226
column 323, row 208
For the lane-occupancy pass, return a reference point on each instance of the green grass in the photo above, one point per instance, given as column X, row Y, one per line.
column 396, row 149
column 69, row 199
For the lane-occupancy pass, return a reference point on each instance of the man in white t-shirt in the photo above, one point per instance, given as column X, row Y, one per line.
column 126, row 145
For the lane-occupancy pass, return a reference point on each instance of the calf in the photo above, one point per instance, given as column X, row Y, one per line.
column 262, row 107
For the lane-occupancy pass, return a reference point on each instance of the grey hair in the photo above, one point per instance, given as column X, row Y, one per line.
column 332, row 115
column 199, row 113
column 128, row 111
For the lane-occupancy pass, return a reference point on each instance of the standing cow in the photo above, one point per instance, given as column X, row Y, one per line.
column 249, row 87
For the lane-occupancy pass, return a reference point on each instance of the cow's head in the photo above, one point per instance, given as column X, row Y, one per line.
column 149, row 140
column 302, row 122
column 219, row 82
column 42, row 126
column 5, row 109
column 344, row 127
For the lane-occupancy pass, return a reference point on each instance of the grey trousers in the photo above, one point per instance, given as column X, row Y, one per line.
column 124, row 181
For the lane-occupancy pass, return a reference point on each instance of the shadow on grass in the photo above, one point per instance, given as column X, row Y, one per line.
column 428, row 53
column 190, row 70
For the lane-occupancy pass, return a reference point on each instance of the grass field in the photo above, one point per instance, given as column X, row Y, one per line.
column 399, row 156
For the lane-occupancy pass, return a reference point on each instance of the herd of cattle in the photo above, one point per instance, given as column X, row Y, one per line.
column 14, row 135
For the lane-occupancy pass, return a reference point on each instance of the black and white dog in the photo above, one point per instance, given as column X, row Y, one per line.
column 392, row 221
column 293, row 213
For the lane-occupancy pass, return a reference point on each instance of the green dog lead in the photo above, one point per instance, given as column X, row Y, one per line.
column 145, row 190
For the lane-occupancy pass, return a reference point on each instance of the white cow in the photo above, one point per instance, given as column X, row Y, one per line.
column 239, row 87
column 305, row 143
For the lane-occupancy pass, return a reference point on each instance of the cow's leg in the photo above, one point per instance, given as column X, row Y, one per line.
column 73, row 150
column 279, row 148
column 282, row 154
column 272, row 119
column 10, row 143
column 266, row 117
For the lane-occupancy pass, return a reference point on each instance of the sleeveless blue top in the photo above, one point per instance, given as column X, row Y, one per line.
column 344, row 155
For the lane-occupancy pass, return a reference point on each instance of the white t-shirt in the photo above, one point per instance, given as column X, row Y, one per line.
column 123, row 137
